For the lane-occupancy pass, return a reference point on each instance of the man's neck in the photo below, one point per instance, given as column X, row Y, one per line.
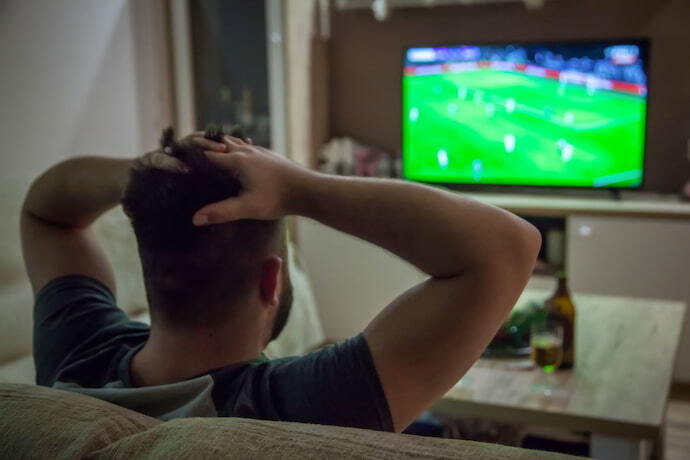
column 173, row 355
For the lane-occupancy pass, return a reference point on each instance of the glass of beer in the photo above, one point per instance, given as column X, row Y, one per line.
column 546, row 340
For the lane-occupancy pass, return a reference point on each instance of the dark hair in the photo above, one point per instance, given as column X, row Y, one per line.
column 194, row 274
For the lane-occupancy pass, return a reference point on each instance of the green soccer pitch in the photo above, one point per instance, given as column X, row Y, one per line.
column 494, row 127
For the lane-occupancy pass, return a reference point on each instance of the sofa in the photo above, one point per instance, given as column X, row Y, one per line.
column 39, row 422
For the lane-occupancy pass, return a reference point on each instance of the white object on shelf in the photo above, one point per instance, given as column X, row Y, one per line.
column 381, row 9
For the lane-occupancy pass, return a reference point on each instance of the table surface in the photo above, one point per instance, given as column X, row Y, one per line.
column 625, row 352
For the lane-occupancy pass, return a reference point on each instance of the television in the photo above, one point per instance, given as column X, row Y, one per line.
column 567, row 114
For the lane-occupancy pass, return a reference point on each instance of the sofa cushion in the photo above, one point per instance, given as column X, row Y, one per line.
column 20, row 370
column 205, row 438
column 41, row 422
column 16, row 319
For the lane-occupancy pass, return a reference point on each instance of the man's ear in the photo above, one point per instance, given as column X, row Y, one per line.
column 269, row 282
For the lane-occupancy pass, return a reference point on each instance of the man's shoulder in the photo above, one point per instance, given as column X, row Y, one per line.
column 336, row 385
column 104, row 359
column 292, row 367
column 79, row 331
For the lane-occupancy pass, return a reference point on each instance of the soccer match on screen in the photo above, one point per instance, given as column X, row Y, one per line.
column 564, row 114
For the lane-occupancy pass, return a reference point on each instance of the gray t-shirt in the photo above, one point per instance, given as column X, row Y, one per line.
column 83, row 342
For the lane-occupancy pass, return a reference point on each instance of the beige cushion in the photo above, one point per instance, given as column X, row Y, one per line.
column 16, row 319
column 40, row 422
column 20, row 370
column 114, row 232
column 201, row 438
column 15, row 291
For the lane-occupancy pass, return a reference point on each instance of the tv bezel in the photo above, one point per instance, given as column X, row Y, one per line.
column 483, row 186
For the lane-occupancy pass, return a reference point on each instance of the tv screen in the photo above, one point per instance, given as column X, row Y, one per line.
column 569, row 114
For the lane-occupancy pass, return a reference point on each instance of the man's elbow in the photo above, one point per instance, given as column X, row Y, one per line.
column 525, row 245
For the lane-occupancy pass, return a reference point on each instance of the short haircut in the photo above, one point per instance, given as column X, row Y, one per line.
column 197, row 276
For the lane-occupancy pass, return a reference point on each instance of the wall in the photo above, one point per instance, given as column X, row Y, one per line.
column 352, row 279
column 366, row 61
column 78, row 77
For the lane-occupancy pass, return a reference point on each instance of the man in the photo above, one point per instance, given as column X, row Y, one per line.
column 207, row 217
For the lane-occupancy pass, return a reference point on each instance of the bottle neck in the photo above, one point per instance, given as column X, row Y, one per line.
column 562, row 286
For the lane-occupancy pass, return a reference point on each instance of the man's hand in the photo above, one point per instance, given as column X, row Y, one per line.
column 271, row 184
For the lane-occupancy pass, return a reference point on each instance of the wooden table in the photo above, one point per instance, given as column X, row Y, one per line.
column 625, row 352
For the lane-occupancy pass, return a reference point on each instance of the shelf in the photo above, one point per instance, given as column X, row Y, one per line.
column 669, row 207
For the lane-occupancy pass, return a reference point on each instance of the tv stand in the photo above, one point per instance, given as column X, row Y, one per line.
column 630, row 204
column 616, row 193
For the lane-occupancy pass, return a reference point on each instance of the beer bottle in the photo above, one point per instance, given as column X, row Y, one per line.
column 560, row 308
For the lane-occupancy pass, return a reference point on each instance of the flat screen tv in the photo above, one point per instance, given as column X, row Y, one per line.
column 569, row 114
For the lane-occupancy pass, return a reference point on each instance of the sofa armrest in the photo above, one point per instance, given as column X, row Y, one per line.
column 40, row 422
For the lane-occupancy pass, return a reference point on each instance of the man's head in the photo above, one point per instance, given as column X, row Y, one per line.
column 203, row 276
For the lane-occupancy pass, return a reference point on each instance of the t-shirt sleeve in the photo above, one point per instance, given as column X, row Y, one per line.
column 337, row 385
column 68, row 311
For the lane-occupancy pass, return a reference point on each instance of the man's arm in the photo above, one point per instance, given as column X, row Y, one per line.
column 58, row 211
column 478, row 257
column 62, row 204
